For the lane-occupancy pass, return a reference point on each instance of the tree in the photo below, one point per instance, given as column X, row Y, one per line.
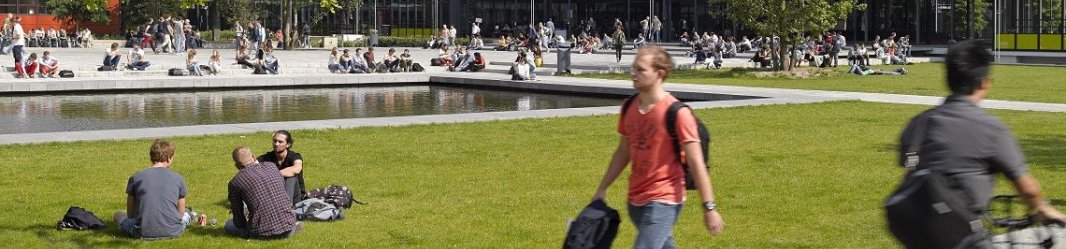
column 76, row 12
column 962, row 14
column 291, row 19
column 791, row 20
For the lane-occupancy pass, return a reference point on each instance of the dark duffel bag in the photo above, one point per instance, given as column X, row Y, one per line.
column 176, row 72
column 66, row 74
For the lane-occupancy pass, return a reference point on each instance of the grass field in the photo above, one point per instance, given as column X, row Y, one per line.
column 787, row 176
column 1020, row 83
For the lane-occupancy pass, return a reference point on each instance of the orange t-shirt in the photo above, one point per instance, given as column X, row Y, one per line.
column 656, row 173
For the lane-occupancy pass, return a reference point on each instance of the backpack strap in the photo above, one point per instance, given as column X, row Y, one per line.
column 625, row 105
column 671, row 126
column 914, row 144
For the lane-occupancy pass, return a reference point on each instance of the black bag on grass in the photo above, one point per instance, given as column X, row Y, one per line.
column 337, row 195
column 671, row 128
column 79, row 219
column 594, row 228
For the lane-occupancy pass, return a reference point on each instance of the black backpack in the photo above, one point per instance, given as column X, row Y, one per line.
column 176, row 72
column 66, row 74
column 671, row 127
column 417, row 67
column 337, row 195
column 106, row 68
column 594, row 228
column 79, row 219
column 929, row 209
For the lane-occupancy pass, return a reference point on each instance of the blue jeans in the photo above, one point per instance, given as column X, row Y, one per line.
column 129, row 225
column 655, row 225
column 232, row 229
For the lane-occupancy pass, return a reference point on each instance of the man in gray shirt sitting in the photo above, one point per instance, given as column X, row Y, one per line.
column 155, row 201
column 969, row 147
column 261, row 207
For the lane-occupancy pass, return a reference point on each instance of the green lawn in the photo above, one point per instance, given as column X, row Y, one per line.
column 1020, row 83
column 787, row 176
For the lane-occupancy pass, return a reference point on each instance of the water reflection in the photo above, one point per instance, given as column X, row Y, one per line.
column 30, row 114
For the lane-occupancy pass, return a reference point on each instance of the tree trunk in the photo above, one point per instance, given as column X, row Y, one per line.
column 216, row 22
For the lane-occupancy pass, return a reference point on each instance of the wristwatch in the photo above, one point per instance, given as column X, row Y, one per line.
column 709, row 205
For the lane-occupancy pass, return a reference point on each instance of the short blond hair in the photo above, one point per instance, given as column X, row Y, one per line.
column 162, row 150
column 661, row 60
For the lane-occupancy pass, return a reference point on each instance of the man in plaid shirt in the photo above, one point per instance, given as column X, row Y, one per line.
column 257, row 197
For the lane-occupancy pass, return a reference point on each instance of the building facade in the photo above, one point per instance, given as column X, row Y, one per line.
column 34, row 15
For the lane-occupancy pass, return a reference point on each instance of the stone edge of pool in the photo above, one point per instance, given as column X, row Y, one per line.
column 553, row 84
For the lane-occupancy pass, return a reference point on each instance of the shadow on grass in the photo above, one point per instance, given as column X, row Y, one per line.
column 108, row 237
column 1045, row 150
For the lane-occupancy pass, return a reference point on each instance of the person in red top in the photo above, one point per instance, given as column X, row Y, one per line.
column 657, row 181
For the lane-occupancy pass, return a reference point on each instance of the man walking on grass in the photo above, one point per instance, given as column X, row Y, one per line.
column 657, row 180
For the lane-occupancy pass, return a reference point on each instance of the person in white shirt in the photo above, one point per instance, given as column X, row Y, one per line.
column 475, row 29
column 451, row 35
column 135, row 58
column 19, row 37
column 49, row 65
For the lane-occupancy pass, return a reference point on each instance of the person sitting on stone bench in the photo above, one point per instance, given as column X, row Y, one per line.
column 112, row 57
column 243, row 58
column 522, row 68
column 49, row 65
column 391, row 63
column 270, row 62
column 359, row 65
column 135, row 59
column 334, row 64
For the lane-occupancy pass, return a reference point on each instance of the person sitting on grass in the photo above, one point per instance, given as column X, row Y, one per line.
column 260, row 206
column 863, row 70
column 289, row 163
column 155, row 198
column 135, row 59
column 49, row 65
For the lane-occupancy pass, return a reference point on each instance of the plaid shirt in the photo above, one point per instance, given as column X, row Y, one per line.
column 261, row 188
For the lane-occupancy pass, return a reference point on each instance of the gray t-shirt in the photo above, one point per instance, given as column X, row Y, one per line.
column 970, row 146
column 157, row 191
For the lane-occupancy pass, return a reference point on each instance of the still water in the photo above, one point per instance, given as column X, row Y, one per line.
column 31, row 114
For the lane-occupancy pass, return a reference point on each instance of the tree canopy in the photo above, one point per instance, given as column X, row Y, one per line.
column 79, row 11
column 790, row 19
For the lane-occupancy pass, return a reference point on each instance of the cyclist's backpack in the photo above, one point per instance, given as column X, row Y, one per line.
column 79, row 219
column 317, row 210
column 671, row 127
column 931, row 202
